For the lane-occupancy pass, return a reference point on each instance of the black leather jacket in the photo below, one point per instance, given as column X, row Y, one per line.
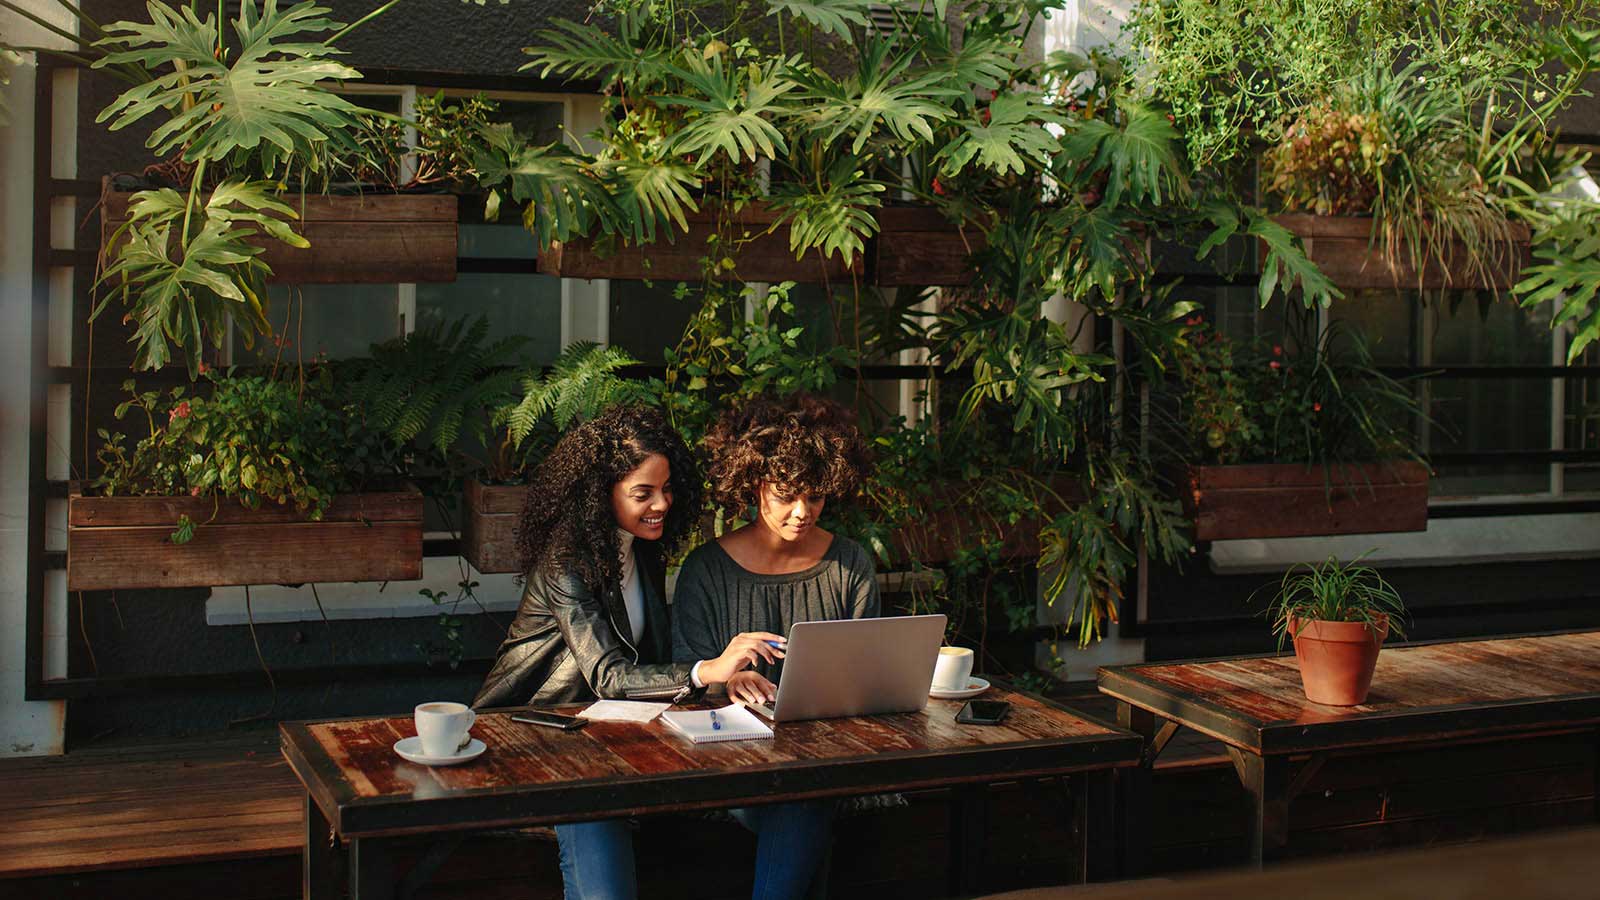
column 567, row 645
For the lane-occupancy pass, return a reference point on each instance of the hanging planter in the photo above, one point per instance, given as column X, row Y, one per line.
column 759, row 252
column 372, row 238
column 126, row 542
column 918, row 246
column 489, row 525
column 1276, row 500
column 1343, row 249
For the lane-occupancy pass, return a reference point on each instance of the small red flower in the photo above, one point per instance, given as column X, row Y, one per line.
column 203, row 367
column 938, row 188
column 1192, row 321
column 1274, row 364
column 194, row 491
column 181, row 411
column 1277, row 350
column 1316, row 407
column 983, row 115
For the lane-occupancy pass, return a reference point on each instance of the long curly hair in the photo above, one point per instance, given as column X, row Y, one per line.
column 567, row 523
column 805, row 443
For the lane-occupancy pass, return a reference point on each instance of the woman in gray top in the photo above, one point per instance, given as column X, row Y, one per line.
column 784, row 458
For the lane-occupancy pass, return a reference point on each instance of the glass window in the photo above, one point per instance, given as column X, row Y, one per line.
column 337, row 321
column 647, row 319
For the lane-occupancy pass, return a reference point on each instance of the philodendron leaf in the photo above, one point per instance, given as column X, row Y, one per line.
column 835, row 16
column 272, row 98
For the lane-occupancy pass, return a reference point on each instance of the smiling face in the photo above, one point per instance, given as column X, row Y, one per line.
column 641, row 499
column 788, row 514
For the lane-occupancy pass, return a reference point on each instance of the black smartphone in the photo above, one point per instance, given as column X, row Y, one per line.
column 983, row 712
column 551, row 720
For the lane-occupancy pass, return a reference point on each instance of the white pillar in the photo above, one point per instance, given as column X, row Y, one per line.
column 26, row 728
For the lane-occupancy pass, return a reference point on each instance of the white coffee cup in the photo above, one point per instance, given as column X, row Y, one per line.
column 442, row 726
column 952, row 669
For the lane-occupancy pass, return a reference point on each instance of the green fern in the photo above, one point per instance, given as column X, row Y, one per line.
column 582, row 382
column 427, row 386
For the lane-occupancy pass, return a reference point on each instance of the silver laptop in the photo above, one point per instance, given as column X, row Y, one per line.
column 856, row 667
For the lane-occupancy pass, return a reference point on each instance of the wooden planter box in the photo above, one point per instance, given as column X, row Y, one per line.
column 360, row 239
column 918, row 246
column 489, row 525
column 762, row 255
column 1341, row 246
column 1277, row 500
column 125, row 542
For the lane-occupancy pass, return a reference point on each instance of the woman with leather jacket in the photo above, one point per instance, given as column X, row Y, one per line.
column 616, row 496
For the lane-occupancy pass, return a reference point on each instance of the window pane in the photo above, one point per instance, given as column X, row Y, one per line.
column 514, row 304
column 1487, row 414
column 1477, row 332
column 1383, row 319
column 336, row 320
column 647, row 320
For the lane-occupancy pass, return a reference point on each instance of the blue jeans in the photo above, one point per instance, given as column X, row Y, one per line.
column 597, row 857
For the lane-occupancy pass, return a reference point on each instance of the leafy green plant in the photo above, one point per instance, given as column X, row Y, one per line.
column 1334, row 591
column 1312, row 399
column 251, row 440
column 239, row 119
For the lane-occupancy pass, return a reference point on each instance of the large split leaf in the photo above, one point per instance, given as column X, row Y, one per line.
column 270, row 99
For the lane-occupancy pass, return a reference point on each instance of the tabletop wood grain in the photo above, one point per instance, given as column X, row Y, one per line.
column 534, row 775
column 1419, row 691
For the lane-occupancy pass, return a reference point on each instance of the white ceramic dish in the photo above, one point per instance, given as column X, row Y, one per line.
column 975, row 686
column 410, row 749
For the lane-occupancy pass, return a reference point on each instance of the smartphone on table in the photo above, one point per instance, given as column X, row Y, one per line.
column 983, row 712
column 549, row 719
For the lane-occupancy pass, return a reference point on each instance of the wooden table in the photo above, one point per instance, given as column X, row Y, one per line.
column 1278, row 740
column 359, row 790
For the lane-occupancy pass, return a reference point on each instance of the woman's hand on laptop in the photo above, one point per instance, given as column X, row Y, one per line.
column 744, row 651
column 750, row 688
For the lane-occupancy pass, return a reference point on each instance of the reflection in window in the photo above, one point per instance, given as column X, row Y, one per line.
column 335, row 321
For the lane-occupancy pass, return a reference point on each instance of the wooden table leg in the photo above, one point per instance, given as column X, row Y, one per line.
column 969, row 826
column 1094, row 812
column 319, row 861
column 371, row 869
column 1133, row 790
column 1267, row 780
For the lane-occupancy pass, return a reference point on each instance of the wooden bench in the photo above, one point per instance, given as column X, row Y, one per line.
column 1435, row 695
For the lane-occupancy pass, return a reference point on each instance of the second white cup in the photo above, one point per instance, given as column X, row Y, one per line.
column 442, row 726
column 952, row 669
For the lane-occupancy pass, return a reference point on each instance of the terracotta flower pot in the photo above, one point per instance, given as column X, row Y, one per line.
column 1337, row 658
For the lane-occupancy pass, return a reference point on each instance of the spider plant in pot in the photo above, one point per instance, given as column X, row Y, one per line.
column 1337, row 614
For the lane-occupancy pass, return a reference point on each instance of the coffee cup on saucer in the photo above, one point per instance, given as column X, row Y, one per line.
column 442, row 727
column 952, row 669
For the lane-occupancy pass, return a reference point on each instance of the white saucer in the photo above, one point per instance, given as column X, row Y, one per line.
column 410, row 749
column 975, row 686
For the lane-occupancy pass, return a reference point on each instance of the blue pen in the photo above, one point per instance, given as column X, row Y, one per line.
column 715, row 725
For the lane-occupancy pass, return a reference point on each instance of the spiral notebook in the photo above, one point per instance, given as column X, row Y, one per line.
column 730, row 723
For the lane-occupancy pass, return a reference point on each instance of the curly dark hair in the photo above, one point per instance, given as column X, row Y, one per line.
column 567, row 524
column 807, row 444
